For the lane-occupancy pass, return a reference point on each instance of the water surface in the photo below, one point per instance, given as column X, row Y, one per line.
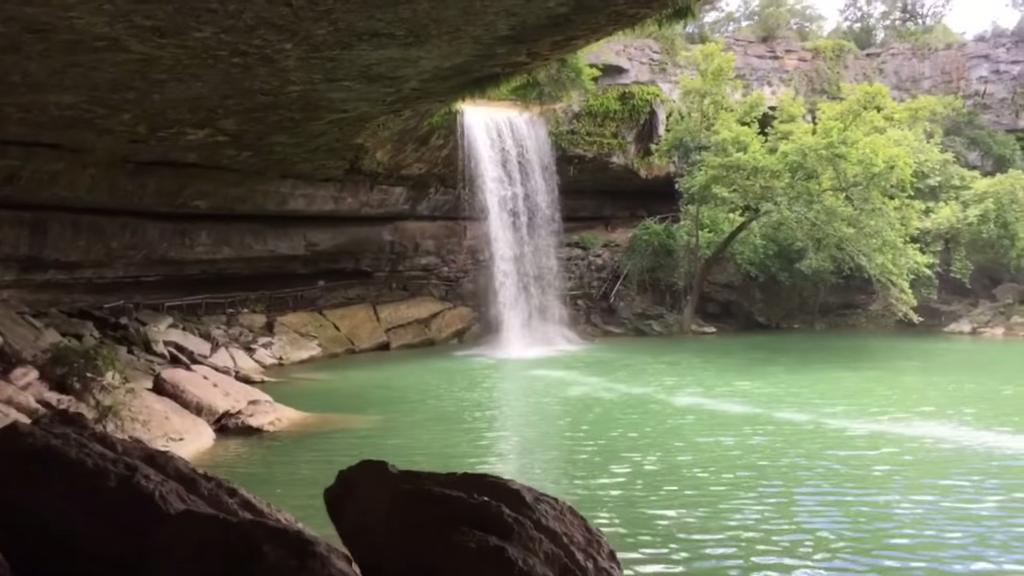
column 741, row 454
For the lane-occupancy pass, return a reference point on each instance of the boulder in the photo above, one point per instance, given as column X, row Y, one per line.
column 22, row 376
column 961, row 326
column 205, row 392
column 123, row 508
column 20, row 400
column 153, row 319
column 431, row 524
column 191, row 345
column 5, row 569
column 252, row 321
column 246, row 369
column 315, row 325
column 160, row 423
column 291, row 348
column 68, row 326
column 993, row 331
column 25, row 341
column 451, row 323
column 153, row 341
column 221, row 361
column 1009, row 292
column 359, row 324
column 409, row 336
column 9, row 415
column 53, row 400
column 266, row 359
column 259, row 416
column 394, row 314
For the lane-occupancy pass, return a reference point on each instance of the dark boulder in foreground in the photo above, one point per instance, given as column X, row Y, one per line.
column 78, row 501
column 5, row 570
column 404, row 523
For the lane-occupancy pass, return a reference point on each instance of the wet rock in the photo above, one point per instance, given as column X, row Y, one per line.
column 409, row 336
column 259, row 416
column 1009, row 293
column 291, row 348
column 126, row 509
column 961, row 326
column 205, row 392
column 252, row 321
column 430, row 524
column 451, row 323
column 314, row 324
column 394, row 314
column 160, row 423
column 153, row 319
column 20, row 400
column 189, row 344
column 9, row 415
column 221, row 361
column 23, row 375
column 359, row 323
column 25, row 340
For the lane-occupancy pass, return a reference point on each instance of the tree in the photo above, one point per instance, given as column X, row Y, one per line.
column 869, row 23
column 826, row 200
column 767, row 20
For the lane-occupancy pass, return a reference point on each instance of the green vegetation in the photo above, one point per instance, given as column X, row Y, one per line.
column 870, row 23
column 589, row 241
column 765, row 20
column 831, row 57
column 557, row 81
column 90, row 373
column 605, row 120
column 866, row 191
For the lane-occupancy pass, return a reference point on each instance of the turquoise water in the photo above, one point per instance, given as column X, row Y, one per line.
column 799, row 453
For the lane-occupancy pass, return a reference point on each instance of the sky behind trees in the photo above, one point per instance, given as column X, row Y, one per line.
column 967, row 17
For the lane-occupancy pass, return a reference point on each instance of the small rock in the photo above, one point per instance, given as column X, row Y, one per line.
column 252, row 321
column 189, row 344
column 214, row 320
column 221, row 361
column 68, row 326
column 52, row 400
column 154, row 319
column 20, row 400
column 961, row 326
column 246, row 369
column 394, row 314
column 23, row 375
column 239, row 335
column 26, row 340
column 409, row 336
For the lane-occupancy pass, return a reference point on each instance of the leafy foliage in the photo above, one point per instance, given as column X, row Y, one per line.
column 557, row 81
column 826, row 77
column 653, row 258
column 89, row 373
column 605, row 120
column 979, row 146
column 766, row 20
column 870, row 23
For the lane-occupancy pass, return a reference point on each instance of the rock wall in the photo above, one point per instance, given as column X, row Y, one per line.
column 988, row 75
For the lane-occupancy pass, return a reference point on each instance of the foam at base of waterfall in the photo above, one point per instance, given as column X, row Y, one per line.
column 557, row 342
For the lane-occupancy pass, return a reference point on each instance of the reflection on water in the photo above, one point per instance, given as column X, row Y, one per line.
column 785, row 454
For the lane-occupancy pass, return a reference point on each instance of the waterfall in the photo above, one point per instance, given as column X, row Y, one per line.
column 511, row 166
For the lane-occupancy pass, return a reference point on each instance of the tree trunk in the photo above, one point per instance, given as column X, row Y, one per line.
column 700, row 276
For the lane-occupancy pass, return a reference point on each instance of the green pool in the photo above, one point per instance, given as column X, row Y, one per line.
column 775, row 453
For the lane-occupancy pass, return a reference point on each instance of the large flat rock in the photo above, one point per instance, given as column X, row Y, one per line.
column 315, row 325
column 394, row 314
column 359, row 323
column 78, row 501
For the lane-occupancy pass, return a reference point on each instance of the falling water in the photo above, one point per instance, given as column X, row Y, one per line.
column 510, row 164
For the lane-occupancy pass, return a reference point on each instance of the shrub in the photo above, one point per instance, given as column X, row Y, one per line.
column 589, row 241
column 605, row 121
column 90, row 373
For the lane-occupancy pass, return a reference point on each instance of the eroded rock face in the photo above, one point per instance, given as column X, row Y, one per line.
column 359, row 323
column 317, row 326
column 403, row 522
column 126, row 509
column 394, row 314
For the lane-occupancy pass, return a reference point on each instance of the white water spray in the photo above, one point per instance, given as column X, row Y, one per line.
column 511, row 166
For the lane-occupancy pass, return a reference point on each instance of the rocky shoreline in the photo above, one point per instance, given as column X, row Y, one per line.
column 175, row 382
